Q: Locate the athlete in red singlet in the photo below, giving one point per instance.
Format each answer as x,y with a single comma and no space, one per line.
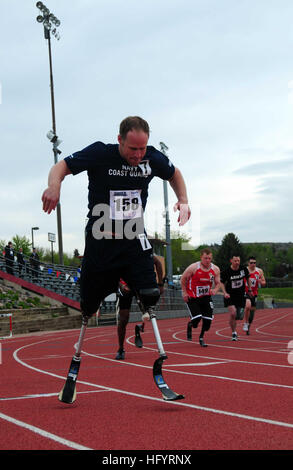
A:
199,282
257,280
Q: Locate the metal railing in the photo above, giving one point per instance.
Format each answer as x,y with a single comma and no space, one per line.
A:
64,280
59,279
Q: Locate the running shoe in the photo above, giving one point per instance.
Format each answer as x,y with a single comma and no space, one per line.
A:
137,339
245,327
202,343
189,331
120,354
234,336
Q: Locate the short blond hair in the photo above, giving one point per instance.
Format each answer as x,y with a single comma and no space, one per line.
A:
133,122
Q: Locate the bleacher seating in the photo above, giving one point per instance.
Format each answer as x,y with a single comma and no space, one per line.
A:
64,280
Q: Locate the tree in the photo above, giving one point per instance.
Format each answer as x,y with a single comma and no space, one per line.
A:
230,246
22,242
183,254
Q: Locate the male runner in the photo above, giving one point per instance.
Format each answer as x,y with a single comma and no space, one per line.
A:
257,280
125,296
233,287
116,243
199,282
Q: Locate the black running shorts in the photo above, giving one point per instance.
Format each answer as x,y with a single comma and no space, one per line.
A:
200,306
236,301
105,262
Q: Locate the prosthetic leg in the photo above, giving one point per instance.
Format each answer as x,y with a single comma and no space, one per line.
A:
68,393
148,298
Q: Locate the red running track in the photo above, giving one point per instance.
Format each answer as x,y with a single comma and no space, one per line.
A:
238,395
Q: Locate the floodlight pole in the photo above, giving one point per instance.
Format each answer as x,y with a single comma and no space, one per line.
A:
55,149
47,19
164,148
48,36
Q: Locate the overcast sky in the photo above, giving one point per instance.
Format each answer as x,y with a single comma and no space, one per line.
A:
214,79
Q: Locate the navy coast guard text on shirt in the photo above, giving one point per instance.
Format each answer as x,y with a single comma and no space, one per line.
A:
117,191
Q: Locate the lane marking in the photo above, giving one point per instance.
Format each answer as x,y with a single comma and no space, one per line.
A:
241,338
269,323
173,403
227,360
218,377
197,364
45,395
258,321
43,433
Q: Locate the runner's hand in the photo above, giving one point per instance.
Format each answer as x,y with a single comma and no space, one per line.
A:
184,212
50,198
185,297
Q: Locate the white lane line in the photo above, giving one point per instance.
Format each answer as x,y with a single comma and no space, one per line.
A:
269,323
241,338
257,329
43,433
223,361
45,395
197,364
229,360
218,377
147,397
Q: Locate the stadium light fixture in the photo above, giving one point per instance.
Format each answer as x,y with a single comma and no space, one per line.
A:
164,150
50,23
33,228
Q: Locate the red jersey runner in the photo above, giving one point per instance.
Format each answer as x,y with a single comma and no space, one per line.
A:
254,279
201,282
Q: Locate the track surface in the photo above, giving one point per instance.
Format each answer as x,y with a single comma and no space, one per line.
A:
238,395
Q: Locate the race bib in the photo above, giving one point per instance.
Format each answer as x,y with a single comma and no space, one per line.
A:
125,204
237,284
145,244
202,290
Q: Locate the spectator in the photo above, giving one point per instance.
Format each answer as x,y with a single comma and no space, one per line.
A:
9,258
20,261
35,263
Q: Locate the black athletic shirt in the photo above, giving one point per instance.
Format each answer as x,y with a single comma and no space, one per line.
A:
115,183
234,280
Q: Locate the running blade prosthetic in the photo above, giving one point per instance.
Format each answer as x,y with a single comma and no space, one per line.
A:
167,393
68,393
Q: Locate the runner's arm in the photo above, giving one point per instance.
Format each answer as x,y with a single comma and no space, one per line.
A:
223,289
159,271
184,279
217,286
51,195
178,185
262,278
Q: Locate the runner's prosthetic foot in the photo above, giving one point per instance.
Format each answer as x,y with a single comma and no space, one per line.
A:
167,393
68,393
149,297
